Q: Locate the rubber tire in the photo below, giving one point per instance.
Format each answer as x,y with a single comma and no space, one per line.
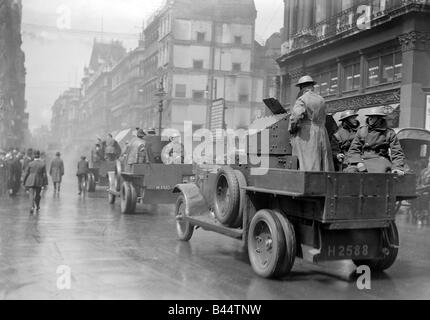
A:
276,263
385,263
227,213
186,230
242,194
290,245
128,198
111,198
91,184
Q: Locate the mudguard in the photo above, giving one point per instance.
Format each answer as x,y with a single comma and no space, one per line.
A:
196,204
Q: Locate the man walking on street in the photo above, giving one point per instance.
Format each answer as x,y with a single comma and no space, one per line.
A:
82,174
35,180
56,172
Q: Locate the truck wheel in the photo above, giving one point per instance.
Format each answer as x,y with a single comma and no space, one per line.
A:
385,263
242,194
227,197
290,245
184,229
91,185
266,244
128,198
111,198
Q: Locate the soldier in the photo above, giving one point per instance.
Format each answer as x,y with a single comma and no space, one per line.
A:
376,148
310,140
113,150
174,152
344,137
137,149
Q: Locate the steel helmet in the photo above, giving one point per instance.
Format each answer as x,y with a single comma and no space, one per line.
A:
305,80
378,111
347,114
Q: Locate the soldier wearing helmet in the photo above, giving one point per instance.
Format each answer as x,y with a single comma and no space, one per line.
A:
310,139
344,136
137,149
376,148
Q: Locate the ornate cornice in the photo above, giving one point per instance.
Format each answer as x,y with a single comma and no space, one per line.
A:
364,101
296,73
415,40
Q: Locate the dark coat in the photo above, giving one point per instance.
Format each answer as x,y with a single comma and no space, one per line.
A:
36,176
56,170
83,167
377,143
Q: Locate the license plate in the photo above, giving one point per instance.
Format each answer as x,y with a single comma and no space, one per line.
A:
348,251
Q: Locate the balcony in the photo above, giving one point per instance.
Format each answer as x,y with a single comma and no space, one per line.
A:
363,16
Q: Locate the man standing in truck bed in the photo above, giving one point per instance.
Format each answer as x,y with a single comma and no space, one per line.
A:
310,140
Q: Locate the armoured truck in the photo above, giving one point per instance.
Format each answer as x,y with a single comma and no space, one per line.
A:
286,213
148,183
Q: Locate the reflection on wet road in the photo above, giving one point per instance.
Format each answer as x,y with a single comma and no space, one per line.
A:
113,256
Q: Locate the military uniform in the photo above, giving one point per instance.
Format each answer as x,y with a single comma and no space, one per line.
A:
378,148
137,151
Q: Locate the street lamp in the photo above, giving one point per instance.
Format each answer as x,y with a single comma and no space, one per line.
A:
161,94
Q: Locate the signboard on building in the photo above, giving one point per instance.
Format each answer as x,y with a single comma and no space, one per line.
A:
428,112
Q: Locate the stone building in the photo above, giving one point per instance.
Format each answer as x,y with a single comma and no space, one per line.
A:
202,51
363,53
13,118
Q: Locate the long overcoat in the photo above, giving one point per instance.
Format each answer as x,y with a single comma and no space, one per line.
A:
56,171
310,140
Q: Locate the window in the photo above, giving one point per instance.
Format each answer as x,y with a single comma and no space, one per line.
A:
373,72
352,77
237,67
181,91
327,82
201,36
198,64
243,98
238,40
384,69
198,94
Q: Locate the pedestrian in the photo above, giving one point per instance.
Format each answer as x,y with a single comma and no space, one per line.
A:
376,148
344,137
56,172
3,173
35,180
309,137
82,174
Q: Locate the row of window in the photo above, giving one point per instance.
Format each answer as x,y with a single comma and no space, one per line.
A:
198,65
201,37
383,69
181,92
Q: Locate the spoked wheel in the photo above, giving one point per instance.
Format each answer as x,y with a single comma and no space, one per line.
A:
184,229
227,197
266,244
391,241
128,198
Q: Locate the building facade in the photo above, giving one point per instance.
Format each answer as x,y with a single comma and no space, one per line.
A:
64,119
13,118
202,51
363,53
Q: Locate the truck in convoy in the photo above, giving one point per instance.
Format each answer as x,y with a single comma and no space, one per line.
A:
286,213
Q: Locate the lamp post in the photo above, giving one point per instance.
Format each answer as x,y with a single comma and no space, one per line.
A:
160,94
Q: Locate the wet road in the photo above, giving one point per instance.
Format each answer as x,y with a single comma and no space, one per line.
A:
112,256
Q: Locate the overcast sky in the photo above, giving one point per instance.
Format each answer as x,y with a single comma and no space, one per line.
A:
55,61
